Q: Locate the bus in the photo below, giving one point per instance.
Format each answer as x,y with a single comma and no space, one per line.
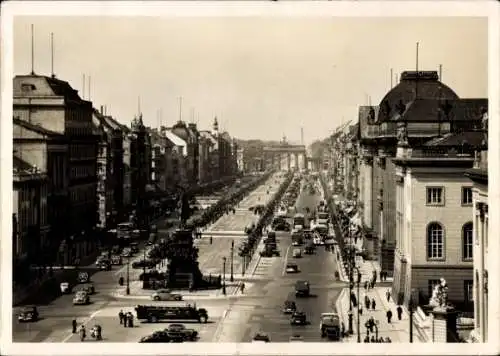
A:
299,220
124,231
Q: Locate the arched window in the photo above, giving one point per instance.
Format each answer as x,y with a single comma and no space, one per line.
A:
467,241
435,241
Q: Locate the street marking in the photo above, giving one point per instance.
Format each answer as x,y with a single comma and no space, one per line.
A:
286,259
92,316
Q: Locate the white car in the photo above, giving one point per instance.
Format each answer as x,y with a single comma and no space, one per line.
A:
81,298
318,241
292,268
165,294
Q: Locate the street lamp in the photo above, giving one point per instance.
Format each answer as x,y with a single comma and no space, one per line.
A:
224,275
128,276
232,260
412,308
358,302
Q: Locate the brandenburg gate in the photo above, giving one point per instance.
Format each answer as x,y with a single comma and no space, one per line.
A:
279,156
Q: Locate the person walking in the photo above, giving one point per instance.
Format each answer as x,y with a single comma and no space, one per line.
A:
374,304
367,302
74,326
399,310
373,340
366,285
388,295
130,320
389,316
121,316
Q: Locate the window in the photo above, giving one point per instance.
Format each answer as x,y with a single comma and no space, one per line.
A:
435,241
435,196
468,291
467,241
430,286
466,196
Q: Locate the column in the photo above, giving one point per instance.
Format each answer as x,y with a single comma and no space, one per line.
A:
304,158
288,160
296,164
368,173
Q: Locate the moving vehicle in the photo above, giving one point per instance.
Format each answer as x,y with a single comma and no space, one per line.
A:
157,336
126,252
297,253
291,268
297,238
144,264
270,251
28,313
302,289
330,326
323,218
261,337
134,246
116,260
298,318
299,220
104,265
165,294
124,231
179,332
155,313
87,288
296,338
289,307
81,298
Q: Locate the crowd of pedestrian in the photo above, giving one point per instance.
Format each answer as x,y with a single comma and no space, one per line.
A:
126,319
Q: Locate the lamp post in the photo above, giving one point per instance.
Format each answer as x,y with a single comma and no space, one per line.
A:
358,321
412,308
224,275
128,276
232,260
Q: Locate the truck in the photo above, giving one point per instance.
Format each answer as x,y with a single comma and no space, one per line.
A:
330,326
302,289
155,313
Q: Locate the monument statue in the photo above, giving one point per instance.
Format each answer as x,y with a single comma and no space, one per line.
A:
402,134
184,208
439,298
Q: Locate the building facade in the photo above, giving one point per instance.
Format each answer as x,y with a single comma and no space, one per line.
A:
433,218
54,105
480,218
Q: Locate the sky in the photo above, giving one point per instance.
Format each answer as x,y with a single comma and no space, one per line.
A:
263,77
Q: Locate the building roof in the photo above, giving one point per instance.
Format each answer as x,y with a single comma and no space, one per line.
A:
208,135
413,85
44,86
177,141
472,139
181,129
36,128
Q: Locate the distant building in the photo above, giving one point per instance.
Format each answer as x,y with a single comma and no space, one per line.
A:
240,154
179,159
54,105
190,135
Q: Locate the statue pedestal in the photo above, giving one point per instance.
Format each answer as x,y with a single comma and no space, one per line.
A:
444,324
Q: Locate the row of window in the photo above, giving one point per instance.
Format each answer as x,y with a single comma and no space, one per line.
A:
435,196
83,194
82,151
81,172
436,241
468,288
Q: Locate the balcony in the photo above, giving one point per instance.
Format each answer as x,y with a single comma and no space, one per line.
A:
438,152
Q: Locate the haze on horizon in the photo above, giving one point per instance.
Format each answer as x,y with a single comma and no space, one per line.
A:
262,77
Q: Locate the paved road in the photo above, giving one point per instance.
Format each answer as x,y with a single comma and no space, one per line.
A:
262,312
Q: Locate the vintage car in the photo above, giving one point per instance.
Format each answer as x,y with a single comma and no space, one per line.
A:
81,298
289,307
298,318
292,268
116,260
166,295
297,253
261,337
179,332
87,287
28,313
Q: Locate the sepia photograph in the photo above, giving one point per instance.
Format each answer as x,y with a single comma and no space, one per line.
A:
273,177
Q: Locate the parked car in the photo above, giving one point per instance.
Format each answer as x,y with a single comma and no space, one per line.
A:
144,264
28,313
134,246
296,338
179,332
87,287
127,252
165,294
297,253
157,336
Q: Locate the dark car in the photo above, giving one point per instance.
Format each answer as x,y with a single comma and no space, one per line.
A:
144,264
261,337
134,247
104,265
87,287
179,332
298,318
289,307
157,336
28,313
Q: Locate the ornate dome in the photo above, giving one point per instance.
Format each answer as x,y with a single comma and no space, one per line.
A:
180,129
421,85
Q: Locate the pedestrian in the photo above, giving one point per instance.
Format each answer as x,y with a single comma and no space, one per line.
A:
388,295
389,316
242,287
74,325
360,310
381,339
373,340
366,285
381,274
367,302
342,329
130,320
388,339
399,310
121,316
373,304
371,322
367,339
